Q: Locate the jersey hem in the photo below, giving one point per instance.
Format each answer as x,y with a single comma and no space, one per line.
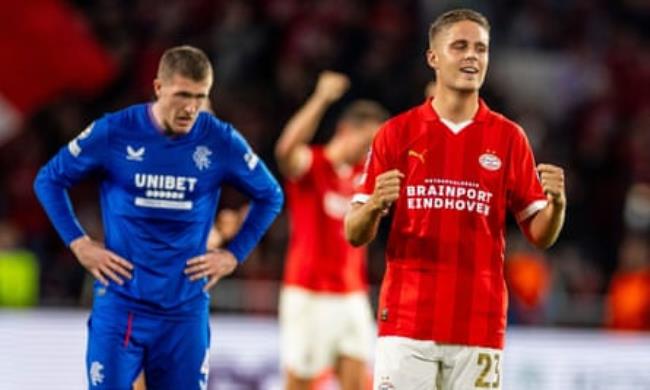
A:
495,345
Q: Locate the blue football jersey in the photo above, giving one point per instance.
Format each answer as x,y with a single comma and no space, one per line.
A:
159,196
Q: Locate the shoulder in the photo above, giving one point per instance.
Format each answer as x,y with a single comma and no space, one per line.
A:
216,129
397,128
509,128
126,119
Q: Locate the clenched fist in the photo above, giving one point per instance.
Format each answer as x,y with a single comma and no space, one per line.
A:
552,179
387,188
331,86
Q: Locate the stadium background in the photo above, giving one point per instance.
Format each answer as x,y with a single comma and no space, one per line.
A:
574,74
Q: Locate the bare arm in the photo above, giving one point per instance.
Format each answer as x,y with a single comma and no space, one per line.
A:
362,221
291,150
545,226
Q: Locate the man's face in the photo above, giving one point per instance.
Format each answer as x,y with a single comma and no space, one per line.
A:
459,55
180,99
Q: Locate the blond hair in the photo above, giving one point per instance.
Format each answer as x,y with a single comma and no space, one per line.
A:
455,16
186,61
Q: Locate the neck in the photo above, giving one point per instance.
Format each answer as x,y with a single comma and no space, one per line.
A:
455,106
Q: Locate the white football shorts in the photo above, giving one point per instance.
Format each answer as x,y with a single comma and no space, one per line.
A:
407,364
317,328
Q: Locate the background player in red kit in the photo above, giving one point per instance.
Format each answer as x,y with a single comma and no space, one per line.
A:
325,317
452,167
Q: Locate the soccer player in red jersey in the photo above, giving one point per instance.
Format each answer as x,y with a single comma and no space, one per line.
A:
325,317
449,169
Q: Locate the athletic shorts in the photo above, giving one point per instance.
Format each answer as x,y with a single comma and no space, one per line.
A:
406,364
121,342
317,328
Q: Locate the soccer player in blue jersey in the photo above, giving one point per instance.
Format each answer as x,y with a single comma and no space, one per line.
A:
162,165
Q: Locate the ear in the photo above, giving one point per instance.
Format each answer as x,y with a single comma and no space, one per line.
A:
432,59
157,86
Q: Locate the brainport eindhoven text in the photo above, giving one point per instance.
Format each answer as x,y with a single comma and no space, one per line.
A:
449,195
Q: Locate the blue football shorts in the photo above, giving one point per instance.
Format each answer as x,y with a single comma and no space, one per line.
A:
122,341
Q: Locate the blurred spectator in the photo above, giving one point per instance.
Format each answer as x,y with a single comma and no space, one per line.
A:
628,299
528,278
18,269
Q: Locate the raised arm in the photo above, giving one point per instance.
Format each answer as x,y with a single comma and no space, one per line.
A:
362,221
545,226
291,151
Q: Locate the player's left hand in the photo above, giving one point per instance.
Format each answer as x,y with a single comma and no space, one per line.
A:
214,264
552,179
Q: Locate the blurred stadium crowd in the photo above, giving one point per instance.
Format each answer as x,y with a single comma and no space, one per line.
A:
574,74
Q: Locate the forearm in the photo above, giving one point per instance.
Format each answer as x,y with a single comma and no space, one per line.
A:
301,127
54,198
546,225
362,222
261,214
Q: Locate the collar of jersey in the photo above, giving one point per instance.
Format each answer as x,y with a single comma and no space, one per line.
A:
429,114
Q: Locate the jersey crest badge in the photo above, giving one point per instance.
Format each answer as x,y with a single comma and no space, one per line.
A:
96,375
201,157
490,161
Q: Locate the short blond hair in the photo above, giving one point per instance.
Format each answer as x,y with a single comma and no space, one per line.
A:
186,61
455,16
362,110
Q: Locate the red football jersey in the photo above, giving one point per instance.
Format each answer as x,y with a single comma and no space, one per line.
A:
444,276
319,258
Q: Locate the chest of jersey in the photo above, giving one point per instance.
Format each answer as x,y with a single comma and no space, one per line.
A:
464,172
153,176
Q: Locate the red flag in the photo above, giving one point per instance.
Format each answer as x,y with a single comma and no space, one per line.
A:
47,49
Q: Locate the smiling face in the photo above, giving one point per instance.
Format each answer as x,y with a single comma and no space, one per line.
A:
459,55
179,100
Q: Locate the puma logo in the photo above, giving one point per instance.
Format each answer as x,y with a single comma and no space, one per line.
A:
419,156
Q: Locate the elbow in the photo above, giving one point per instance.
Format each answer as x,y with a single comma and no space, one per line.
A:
281,151
355,242
39,183
542,242
274,200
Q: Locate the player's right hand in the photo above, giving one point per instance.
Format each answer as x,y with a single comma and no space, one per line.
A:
102,263
387,188
331,86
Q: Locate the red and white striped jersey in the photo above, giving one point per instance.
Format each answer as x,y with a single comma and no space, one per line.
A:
444,275
319,258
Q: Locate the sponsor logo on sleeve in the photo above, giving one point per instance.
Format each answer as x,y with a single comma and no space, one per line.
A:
73,146
251,159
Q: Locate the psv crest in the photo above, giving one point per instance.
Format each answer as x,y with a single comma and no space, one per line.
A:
490,161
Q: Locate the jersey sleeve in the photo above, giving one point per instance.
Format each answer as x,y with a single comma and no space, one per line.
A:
249,174
525,194
377,162
84,154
